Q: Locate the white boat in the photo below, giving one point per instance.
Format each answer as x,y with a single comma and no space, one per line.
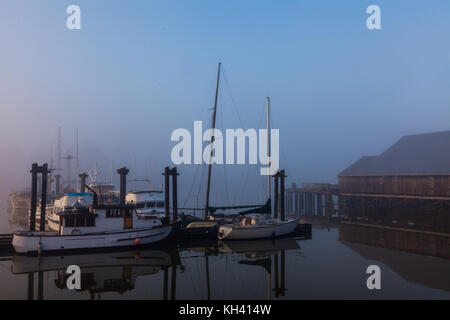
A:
257,228
95,227
148,203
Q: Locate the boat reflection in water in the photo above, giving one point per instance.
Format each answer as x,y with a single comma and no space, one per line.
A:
101,272
121,272
268,254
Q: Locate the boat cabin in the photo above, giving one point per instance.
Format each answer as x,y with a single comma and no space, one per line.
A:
102,218
147,202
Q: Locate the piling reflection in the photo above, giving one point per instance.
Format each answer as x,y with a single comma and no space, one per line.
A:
268,254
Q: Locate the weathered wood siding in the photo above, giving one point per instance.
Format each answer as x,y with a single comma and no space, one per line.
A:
411,185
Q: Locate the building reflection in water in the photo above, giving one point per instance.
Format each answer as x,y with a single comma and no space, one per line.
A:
405,252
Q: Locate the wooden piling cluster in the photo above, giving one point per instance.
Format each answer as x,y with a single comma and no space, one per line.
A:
123,172
168,173
35,170
312,200
279,195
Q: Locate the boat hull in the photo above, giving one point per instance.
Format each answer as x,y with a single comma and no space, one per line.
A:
41,242
257,232
202,233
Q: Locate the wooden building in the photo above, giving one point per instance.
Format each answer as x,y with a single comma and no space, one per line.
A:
408,185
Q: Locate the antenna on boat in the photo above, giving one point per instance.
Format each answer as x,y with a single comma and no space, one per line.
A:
208,188
95,173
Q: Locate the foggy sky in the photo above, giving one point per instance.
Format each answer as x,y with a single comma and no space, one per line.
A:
140,69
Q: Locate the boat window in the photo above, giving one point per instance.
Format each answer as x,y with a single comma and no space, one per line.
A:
113,213
140,206
160,204
80,220
69,221
150,204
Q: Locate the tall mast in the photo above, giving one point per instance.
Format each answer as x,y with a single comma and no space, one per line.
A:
59,148
269,177
68,158
78,158
212,142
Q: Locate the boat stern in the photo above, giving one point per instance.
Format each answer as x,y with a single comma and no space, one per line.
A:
225,232
25,243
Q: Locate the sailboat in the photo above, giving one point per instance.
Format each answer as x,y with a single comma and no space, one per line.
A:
260,226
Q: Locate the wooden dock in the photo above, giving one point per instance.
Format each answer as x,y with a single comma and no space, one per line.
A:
312,200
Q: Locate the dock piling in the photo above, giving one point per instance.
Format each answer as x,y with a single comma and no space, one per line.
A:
282,203
33,205
275,196
167,174
279,195
83,176
175,193
58,184
44,173
167,192
123,172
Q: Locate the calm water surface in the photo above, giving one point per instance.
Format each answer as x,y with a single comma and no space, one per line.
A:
323,267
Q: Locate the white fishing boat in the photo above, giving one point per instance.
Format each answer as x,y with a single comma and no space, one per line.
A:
257,228
148,203
95,227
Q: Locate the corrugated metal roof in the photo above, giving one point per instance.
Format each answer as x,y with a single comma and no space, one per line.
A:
416,154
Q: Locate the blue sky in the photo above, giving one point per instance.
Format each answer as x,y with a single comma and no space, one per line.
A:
140,69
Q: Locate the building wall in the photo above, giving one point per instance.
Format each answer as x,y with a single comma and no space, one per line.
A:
407,185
